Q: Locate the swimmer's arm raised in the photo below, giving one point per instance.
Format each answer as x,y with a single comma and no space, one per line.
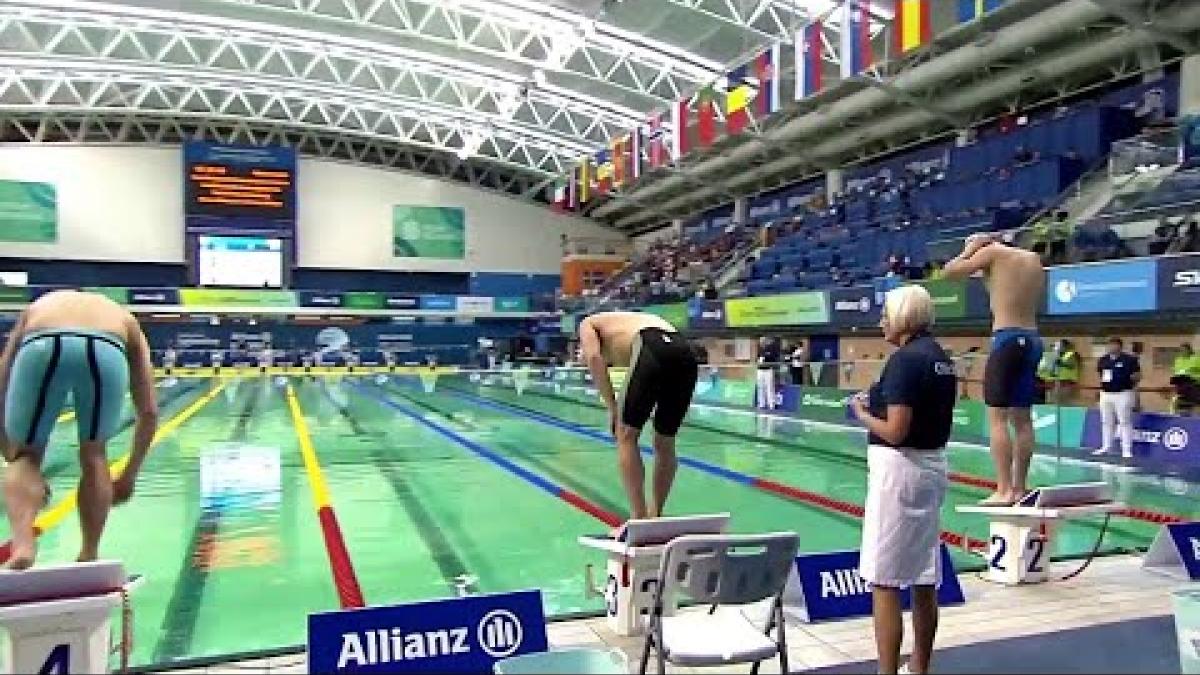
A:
976,257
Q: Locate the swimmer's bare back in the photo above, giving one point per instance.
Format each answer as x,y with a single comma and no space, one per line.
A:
75,309
617,330
1016,282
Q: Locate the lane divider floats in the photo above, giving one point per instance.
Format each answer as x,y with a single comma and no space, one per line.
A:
345,580
65,506
764,484
607,517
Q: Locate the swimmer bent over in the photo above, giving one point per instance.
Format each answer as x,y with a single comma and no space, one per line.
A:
88,346
1016,282
660,380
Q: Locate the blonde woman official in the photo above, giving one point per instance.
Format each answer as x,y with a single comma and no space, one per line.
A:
908,415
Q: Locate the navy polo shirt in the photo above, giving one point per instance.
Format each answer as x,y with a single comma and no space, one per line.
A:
1116,372
918,375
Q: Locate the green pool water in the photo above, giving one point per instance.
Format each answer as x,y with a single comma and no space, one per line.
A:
224,527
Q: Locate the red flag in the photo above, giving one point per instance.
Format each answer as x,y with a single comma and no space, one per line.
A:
706,111
654,141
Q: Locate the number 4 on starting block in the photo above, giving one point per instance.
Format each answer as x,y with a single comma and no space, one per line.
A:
1175,551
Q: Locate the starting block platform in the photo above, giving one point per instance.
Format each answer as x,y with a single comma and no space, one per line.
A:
633,562
56,619
1021,536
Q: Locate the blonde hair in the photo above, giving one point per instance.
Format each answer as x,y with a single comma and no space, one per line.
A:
908,309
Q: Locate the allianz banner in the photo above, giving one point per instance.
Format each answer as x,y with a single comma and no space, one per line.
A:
706,313
1159,441
1179,282
855,307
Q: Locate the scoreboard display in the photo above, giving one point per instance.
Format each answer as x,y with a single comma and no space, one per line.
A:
239,189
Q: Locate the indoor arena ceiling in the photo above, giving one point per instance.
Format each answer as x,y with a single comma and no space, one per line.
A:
503,94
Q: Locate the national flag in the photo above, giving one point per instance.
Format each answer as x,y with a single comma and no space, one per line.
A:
809,61
655,141
766,71
585,179
603,172
706,115
681,119
635,153
617,147
856,39
738,93
912,26
573,189
969,10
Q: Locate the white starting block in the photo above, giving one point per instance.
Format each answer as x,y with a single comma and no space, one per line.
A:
56,619
1022,535
633,566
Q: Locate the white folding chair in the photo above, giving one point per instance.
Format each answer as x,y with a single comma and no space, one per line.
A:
720,570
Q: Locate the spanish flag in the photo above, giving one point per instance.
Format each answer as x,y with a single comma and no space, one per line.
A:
912,25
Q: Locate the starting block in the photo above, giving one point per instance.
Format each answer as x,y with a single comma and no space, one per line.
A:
57,619
632,568
1021,536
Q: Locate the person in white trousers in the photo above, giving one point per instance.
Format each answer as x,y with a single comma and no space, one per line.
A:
1119,375
768,361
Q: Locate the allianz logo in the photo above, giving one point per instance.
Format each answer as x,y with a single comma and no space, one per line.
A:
499,634
843,583
863,305
1174,438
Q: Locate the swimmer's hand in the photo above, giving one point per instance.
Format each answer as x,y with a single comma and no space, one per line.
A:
123,488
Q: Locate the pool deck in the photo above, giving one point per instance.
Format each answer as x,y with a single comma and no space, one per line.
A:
1112,589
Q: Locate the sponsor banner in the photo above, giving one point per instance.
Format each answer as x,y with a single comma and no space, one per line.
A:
825,404
474,304
362,300
949,297
401,301
220,297
445,303
1179,282
117,294
1160,440
13,295
1103,288
675,313
705,313
28,212
429,232
791,309
515,304
154,296
712,388
459,635
320,298
859,306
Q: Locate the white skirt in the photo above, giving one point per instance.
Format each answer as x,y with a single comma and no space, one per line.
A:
902,523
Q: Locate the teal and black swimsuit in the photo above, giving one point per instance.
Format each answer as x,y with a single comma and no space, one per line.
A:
88,364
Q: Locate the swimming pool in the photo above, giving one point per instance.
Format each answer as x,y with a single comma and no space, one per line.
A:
268,498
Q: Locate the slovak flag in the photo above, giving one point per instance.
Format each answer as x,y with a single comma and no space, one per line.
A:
856,39
809,62
766,71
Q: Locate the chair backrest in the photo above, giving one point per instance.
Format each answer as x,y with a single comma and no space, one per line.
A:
729,569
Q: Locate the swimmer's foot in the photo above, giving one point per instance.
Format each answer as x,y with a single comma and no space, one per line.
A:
1006,498
22,557
88,556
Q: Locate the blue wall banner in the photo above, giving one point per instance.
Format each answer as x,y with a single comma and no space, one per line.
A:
1103,288
320,298
827,586
854,307
706,313
459,635
1159,441
153,296
1179,282
445,303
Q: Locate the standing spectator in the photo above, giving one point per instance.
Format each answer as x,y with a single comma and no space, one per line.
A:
768,360
908,415
1120,373
796,365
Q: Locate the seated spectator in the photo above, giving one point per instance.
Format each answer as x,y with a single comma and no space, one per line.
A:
1189,242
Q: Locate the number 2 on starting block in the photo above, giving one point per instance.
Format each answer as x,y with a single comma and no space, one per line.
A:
1017,554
